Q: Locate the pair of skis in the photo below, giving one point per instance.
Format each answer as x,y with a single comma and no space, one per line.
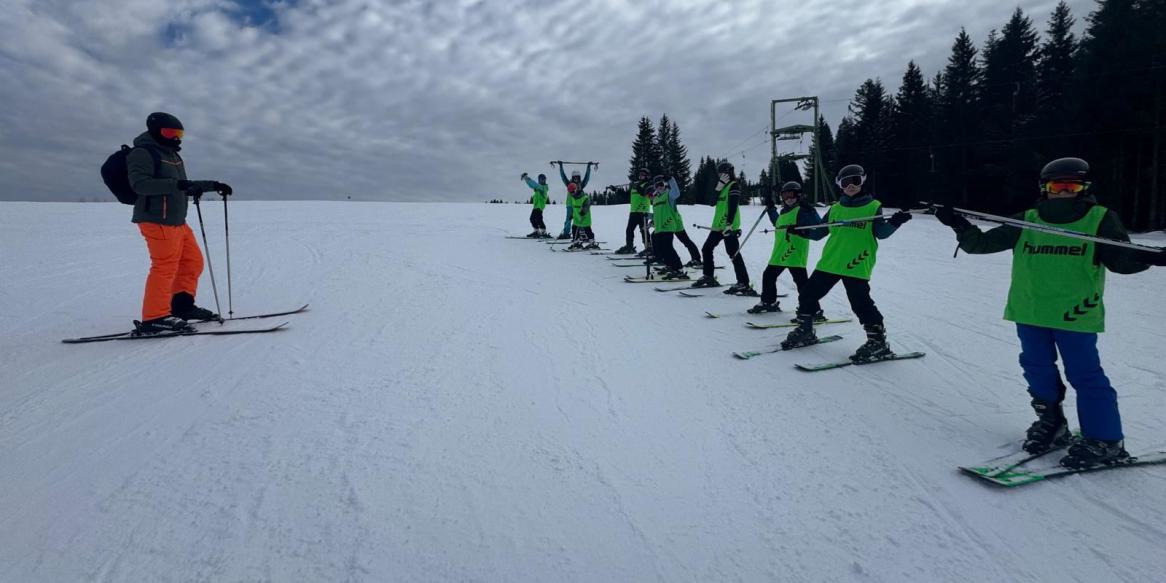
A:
132,335
1009,471
746,355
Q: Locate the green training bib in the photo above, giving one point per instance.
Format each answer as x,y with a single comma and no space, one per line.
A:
1056,283
851,249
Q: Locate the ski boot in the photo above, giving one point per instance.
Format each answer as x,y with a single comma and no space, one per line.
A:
533,234
675,275
876,347
591,245
819,317
764,308
803,335
563,236
543,234
646,252
162,325
695,264
182,306
626,250
1089,452
1049,431
577,245
706,281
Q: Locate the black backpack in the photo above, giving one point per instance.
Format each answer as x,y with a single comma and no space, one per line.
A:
116,175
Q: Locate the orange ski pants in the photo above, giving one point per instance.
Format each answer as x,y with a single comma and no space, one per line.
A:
175,265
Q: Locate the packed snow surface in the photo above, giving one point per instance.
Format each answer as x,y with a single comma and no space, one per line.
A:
458,406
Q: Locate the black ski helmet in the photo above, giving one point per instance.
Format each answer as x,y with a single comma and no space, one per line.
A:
659,179
158,120
792,186
850,171
643,173
725,167
1065,168
542,178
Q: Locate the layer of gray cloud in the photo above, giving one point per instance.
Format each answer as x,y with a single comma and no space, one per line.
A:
414,100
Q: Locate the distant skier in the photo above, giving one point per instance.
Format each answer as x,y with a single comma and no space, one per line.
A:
539,200
848,256
580,184
668,222
638,209
726,227
157,174
579,204
1056,300
791,250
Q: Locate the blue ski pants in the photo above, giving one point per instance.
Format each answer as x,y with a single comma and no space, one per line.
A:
1096,399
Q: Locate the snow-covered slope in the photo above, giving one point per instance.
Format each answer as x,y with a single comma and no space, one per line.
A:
458,406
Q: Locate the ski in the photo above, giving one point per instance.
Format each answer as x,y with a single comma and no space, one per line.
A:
524,237
756,326
672,289
751,354
298,310
132,336
842,363
1018,476
659,279
1001,465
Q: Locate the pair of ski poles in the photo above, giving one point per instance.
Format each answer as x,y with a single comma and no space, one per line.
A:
207,253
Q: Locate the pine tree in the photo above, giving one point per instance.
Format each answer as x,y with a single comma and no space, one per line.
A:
645,154
958,106
870,111
910,135
663,136
826,137
1055,69
1008,102
678,165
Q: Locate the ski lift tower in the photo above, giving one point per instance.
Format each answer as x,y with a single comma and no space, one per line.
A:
820,189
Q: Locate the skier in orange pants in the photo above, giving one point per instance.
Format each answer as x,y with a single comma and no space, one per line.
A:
157,175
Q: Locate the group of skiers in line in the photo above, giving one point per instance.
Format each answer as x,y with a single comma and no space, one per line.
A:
1055,299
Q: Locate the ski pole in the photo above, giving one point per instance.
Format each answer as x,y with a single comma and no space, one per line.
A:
1052,229
207,253
227,234
702,227
741,247
595,164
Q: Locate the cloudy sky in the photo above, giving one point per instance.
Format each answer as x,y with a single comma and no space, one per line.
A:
439,100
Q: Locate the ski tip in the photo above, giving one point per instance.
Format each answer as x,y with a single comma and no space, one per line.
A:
711,315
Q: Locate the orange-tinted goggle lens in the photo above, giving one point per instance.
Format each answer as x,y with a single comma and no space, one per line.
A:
1064,186
171,133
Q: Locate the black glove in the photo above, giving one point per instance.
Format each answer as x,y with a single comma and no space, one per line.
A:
523,177
899,218
1155,258
198,187
946,215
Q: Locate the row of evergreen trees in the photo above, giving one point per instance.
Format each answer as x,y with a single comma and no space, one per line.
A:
978,132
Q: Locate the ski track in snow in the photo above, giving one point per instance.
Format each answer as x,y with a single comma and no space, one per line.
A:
457,406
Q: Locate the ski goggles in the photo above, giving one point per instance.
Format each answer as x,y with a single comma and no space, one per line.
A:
171,133
851,181
1072,186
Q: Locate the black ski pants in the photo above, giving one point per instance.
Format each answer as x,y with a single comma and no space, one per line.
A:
663,250
732,245
769,281
536,219
857,291
693,251
636,220
584,233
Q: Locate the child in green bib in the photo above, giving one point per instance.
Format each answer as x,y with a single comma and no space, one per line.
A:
848,257
1057,302
726,227
639,209
790,249
539,200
